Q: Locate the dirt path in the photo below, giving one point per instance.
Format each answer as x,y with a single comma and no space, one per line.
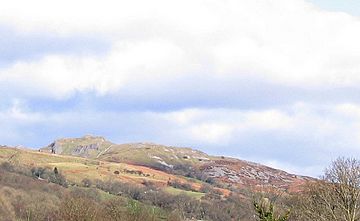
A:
104,151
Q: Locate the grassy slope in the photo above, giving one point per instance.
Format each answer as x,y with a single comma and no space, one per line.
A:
177,160
175,191
76,169
24,198
153,154
136,153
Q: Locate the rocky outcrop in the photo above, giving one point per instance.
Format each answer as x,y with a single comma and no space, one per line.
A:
55,148
82,150
243,173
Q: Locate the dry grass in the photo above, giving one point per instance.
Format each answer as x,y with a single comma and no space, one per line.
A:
174,191
75,169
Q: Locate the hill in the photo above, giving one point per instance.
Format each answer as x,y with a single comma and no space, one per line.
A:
173,181
29,176
225,172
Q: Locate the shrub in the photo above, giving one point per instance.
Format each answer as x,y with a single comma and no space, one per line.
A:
179,185
86,182
115,209
7,166
57,178
78,208
38,172
265,211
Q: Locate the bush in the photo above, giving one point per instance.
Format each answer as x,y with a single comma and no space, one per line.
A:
7,166
206,188
86,182
78,208
115,209
179,185
57,178
264,209
38,172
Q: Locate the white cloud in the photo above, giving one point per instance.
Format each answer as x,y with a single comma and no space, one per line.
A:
17,113
352,110
268,120
322,125
220,126
211,132
287,42
60,76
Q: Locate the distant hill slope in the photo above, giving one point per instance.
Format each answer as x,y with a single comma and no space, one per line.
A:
229,172
149,154
30,189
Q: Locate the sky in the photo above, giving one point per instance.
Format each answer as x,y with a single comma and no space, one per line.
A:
271,81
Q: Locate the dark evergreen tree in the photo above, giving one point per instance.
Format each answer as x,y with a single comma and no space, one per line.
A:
265,211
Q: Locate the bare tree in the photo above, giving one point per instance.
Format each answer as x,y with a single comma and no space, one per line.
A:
336,196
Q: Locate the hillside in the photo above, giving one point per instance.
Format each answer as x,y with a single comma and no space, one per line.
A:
164,193
226,172
76,169
30,190
172,181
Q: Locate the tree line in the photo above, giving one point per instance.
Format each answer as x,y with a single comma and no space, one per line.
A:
333,197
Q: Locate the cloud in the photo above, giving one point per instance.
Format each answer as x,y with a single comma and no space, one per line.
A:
17,113
349,109
60,76
289,43
220,126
